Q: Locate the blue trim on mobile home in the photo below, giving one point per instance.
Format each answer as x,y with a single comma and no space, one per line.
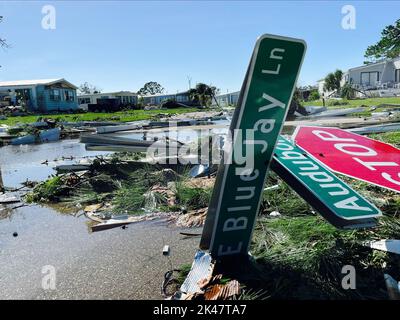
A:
42,95
50,98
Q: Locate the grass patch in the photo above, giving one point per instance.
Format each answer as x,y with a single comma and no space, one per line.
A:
192,197
183,273
386,200
392,138
84,197
358,102
130,198
284,200
49,190
102,183
304,256
120,116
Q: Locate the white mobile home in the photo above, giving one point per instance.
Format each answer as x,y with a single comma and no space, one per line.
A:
379,75
157,99
227,99
380,79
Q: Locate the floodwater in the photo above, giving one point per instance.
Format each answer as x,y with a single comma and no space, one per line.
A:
36,240
113,264
183,134
18,163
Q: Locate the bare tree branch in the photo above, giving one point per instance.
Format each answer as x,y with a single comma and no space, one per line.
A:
3,42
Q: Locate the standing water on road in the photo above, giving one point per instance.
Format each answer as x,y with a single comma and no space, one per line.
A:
34,240
36,162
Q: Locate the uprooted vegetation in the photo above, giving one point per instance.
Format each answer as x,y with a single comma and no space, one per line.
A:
303,258
299,255
132,187
126,186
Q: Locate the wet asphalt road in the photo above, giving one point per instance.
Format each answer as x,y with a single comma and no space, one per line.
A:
112,264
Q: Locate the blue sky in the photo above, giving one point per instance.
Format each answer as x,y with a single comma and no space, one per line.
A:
122,45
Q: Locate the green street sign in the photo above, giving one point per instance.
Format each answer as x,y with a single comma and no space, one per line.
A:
263,104
330,196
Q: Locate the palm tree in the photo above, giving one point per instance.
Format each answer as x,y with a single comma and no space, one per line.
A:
203,94
333,80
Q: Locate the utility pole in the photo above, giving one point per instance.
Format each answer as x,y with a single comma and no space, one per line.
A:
190,82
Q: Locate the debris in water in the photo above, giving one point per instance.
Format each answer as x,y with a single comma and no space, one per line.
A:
93,208
5,199
165,250
120,221
29,183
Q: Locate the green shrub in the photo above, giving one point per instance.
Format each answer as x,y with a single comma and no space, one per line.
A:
192,198
314,95
337,103
347,92
49,190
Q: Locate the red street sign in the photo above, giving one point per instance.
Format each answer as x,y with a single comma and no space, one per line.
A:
353,155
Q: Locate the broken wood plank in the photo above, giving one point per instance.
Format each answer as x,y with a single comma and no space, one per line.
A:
5,199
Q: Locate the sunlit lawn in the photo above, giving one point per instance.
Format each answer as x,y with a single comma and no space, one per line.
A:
120,116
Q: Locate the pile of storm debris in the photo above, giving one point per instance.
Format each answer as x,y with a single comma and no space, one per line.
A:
296,254
52,129
122,189
43,130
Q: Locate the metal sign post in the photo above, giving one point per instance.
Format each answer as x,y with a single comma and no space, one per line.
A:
263,104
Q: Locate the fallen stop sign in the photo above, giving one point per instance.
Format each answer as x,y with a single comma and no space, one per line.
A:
353,155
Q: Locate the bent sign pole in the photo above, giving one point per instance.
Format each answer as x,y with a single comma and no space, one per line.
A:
326,193
351,154
263,104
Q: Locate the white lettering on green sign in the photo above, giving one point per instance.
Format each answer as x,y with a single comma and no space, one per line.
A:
344,201
268,89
